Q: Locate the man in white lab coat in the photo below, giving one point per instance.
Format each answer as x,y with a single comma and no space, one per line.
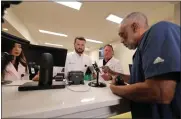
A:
109,62
77,60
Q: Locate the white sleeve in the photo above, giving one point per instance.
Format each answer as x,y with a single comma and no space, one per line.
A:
118,67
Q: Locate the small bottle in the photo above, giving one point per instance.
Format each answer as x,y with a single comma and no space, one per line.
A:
88,75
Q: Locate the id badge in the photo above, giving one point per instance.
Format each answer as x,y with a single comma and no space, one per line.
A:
32,70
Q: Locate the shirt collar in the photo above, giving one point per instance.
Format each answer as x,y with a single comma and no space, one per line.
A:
140,43
108,60
78,54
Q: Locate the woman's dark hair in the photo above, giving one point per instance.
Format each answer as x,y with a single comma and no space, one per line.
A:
20,59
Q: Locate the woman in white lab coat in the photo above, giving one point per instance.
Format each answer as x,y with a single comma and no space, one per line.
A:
17,68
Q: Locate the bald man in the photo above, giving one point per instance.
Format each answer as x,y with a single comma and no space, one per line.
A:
155,87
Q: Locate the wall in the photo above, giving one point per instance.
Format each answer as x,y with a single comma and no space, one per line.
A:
177,13
124,55
19,26
94,55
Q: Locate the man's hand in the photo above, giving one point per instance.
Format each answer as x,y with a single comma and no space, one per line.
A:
152,90
36,77
106,76
113,84
106,69
114,80
112,87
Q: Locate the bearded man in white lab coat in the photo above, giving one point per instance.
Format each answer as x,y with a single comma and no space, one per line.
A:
77,60
109,62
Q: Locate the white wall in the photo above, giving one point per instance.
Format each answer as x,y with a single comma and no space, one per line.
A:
120,52
94,55
124,55
177,13
19,26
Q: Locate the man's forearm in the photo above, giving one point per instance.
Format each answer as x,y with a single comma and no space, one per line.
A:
114,73
138,92
123,76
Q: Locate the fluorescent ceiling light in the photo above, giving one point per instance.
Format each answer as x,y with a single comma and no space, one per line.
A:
52,33
5,29
114,18
75,5
54,44
94,41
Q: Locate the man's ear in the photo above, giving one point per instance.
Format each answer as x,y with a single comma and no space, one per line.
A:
135,26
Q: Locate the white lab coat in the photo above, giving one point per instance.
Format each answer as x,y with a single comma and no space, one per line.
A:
114,64
74,62
12,74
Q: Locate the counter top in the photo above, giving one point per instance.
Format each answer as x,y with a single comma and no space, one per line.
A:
54,102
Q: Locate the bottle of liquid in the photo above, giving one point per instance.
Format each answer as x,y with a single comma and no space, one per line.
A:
88,75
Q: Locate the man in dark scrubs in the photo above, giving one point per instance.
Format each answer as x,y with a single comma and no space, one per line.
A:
155,88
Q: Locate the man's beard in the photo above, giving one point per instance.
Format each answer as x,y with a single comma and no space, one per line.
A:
132,45
78,51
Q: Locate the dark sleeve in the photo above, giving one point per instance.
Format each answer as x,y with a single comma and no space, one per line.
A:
171,76
161,51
